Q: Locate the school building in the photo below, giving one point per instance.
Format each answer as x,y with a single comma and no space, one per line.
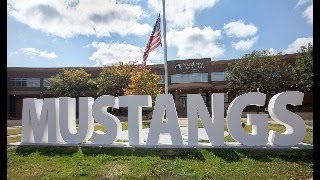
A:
192,76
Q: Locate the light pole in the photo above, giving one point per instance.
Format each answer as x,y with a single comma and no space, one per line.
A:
257,107
164,29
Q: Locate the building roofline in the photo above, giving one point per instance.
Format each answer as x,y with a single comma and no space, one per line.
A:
284,56
48,68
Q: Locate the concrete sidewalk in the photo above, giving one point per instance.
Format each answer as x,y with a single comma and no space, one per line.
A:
166,138
183,122
12,136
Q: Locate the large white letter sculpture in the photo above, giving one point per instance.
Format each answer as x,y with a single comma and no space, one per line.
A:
135,104
164,103
53,120
112,123
68,119
259,122
295,126
214,126
40,121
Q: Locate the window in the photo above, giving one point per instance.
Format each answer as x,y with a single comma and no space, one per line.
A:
162,79
24,82
183,100
219,76
188,78
12,83
226,97
45,82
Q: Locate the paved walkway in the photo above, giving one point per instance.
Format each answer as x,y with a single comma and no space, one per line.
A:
12,136
310,127
166,138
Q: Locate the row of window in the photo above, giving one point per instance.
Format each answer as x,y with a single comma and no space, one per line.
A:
27,82
186,78
196,77
176,78
183,99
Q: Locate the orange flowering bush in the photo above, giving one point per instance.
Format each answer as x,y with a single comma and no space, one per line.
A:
143,82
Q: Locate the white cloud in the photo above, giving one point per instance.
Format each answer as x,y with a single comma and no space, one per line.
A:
33,52
244,45
239,29
308,13
69,18
195,42
113,53
295,46
302,2
272,51
127,1
13,53
181,13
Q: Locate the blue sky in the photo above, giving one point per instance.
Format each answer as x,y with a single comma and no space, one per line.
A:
102,32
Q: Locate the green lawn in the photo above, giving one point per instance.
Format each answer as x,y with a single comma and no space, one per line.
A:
133,163
129,163
13,139
13,131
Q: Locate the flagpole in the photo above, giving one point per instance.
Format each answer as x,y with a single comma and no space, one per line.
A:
165,47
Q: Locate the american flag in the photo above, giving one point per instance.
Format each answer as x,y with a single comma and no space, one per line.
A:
154,41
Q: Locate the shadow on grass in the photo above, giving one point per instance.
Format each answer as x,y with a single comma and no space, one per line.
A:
300,156
47,151
193,154
228,155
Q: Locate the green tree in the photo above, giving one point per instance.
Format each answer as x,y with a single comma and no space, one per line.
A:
260,69
143,82
127,79
71,83
304,68
114,79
